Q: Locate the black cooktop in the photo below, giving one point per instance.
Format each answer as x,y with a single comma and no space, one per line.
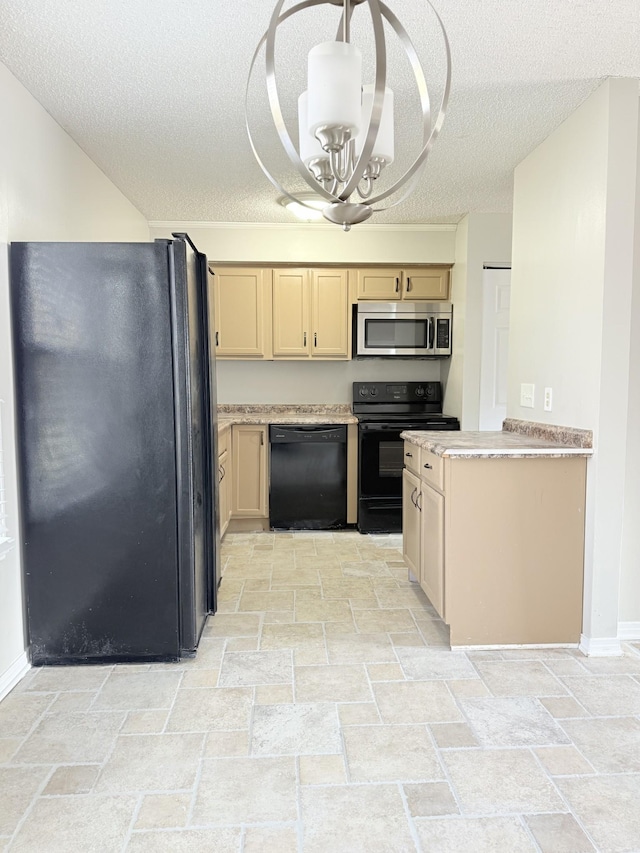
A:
397,395
401,402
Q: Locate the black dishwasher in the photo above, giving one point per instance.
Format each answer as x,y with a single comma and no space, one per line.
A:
308,483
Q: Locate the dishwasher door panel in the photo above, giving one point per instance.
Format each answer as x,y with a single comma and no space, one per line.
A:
308,482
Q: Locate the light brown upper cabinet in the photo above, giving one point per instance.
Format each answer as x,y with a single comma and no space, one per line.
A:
425,284
382,284
394,285
310,314
291,313
242,312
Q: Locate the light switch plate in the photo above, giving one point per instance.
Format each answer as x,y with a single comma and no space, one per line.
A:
548,399
527,394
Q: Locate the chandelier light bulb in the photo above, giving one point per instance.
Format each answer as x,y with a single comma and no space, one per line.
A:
309,147
383,148
335,88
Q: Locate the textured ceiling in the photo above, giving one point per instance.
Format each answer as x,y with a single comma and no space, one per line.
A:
153,91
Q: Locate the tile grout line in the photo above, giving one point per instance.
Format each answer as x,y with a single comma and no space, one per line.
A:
30,807
413,829
134,818
529,832
564,799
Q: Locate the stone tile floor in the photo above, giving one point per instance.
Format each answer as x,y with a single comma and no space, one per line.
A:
324,712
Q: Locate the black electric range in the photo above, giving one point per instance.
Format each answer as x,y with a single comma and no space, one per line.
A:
384,410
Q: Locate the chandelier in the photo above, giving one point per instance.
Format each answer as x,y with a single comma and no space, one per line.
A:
345,128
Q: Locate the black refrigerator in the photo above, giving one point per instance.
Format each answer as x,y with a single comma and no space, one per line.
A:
116,426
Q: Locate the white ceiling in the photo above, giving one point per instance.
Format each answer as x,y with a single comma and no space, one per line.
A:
153,91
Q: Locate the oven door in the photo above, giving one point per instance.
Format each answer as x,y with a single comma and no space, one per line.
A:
381,458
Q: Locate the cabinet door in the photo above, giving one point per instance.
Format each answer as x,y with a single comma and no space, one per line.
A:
242,313
411,522
291,314
382,284
432,551
430,284
223,491
330,314
249,471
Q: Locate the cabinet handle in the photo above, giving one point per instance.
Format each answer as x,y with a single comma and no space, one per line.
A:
304,339
418,501
220,474
217,339
315,339
426,465
412,494
409,454
397,285
261,439
408,284
223,472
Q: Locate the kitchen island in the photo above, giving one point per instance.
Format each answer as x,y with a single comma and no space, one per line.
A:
493,528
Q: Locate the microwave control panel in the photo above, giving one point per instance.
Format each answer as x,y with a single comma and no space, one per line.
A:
443,337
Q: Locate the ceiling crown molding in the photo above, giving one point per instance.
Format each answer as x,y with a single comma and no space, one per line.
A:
182,225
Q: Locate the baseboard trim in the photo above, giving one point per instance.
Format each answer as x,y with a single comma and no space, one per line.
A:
497,647
629,630
12,676
248,525
600,647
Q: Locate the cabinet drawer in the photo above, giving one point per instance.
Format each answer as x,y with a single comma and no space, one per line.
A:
412,458
432,469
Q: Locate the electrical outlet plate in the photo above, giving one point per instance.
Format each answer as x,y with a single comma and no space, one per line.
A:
548,399
527,394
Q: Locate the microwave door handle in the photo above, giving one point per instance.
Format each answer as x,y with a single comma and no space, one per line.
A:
431,332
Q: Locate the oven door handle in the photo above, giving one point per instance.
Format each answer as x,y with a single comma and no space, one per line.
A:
377,427
386,427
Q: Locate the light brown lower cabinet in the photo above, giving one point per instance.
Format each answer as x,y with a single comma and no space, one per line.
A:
411,536
224,479
431,509
249,449
224,487
499,545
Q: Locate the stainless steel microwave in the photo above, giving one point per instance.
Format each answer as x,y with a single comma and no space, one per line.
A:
403,329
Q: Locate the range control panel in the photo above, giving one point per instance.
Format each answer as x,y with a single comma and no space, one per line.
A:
397,392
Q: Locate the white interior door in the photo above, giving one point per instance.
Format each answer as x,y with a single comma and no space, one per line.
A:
496,284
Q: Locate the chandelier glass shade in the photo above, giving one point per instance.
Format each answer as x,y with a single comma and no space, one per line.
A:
346,127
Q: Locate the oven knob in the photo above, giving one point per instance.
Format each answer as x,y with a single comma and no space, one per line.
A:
429,390
419,391
373,391
364,392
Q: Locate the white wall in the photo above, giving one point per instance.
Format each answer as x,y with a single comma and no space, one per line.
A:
630,571
482,238
315,382
573,233
49,190
312,382
318,243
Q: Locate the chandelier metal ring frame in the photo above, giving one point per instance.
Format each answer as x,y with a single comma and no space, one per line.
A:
377,10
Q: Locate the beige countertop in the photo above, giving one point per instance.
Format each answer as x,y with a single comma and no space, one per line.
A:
303,414
491,444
